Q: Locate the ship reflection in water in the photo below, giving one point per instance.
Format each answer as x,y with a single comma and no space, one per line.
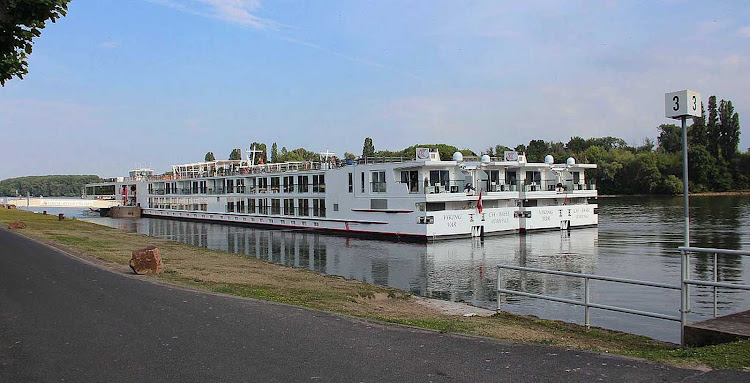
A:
457,270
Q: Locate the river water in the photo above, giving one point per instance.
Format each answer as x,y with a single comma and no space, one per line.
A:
636,238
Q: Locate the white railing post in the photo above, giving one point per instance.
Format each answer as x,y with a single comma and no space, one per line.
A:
587,320
498,289
716,279
683,295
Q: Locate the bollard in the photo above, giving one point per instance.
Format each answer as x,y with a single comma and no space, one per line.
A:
60,217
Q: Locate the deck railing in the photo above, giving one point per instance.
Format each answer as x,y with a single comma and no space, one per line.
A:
459,186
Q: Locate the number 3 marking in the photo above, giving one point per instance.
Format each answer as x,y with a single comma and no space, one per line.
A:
676,100
695,103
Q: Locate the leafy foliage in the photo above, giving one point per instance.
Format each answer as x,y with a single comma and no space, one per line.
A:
368,149
20,23
48,186
446,151
263,152
299,154
236,154
670,138
274,153
210,157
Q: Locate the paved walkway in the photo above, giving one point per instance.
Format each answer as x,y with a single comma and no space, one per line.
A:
62,319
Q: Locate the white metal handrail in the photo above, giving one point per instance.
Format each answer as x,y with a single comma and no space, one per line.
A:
586,302
686,281
683,287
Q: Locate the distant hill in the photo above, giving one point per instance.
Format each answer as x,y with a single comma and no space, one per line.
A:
48,186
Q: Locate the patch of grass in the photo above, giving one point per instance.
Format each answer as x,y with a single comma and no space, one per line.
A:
734,356
454,325
622,339
80,242
297,297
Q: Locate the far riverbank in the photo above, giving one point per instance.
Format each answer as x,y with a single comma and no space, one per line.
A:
703,194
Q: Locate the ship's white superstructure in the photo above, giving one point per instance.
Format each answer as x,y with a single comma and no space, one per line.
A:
421,198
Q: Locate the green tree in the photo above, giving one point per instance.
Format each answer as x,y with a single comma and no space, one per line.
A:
593,154
284,154
537,150
210,157
697,131
236,154
645,174
741,170
729,130
296,155
558,151
576,144
48,186
608,143
20,22
274,153
648,146
701,167
261,148
368,149
670,185
670,138
501,149
614,172
446,151
712,128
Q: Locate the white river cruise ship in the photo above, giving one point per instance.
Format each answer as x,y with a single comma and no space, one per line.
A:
422,198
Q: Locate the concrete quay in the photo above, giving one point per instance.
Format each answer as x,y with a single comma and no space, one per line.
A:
724,329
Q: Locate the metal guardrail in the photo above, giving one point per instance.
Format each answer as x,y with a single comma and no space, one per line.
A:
586,302
685,251
683,287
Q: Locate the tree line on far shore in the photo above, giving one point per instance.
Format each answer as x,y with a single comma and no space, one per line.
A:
47,186
714,159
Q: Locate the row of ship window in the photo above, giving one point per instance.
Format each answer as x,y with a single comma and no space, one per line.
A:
284,184
278,206
273,206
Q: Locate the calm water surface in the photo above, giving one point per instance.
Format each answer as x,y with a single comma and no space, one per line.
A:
636,238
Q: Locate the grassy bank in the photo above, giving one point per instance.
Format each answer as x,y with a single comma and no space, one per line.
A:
240,275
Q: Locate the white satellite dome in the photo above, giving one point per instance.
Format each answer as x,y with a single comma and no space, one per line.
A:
571,161
458,157
485,159
549,159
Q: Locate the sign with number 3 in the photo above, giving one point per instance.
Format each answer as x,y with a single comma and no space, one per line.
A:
685,103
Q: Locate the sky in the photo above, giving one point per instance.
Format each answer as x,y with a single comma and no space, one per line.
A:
120,84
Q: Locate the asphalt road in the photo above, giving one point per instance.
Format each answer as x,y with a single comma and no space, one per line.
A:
64,320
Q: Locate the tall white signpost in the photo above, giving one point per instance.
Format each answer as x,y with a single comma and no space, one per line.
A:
681,105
